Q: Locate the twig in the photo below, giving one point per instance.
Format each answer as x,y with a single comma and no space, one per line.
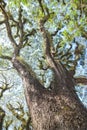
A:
6,57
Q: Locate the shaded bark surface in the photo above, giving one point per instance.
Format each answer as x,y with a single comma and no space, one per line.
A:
55,109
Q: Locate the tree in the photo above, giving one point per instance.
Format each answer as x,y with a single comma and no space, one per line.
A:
57,107
18,112
26,123
4,86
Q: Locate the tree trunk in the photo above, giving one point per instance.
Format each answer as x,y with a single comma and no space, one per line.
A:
55,109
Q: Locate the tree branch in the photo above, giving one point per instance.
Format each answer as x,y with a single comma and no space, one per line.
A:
30,33
8,27
21,27
5,57
20,116
40,3
57,67
4,85
2,115
53,34
7,123
26,71
81,80
62,1
2,22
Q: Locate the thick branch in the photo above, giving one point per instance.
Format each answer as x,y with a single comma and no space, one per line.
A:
25,71
57,67
81,80
8,27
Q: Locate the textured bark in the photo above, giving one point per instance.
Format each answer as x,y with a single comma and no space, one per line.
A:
56,109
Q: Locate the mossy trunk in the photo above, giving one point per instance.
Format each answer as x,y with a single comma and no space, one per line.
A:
55,109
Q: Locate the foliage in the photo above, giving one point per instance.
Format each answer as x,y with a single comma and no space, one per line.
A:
67,23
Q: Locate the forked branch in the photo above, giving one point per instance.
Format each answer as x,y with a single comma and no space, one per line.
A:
57,67
4,86
8,27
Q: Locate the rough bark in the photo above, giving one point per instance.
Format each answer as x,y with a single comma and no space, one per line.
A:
56,109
